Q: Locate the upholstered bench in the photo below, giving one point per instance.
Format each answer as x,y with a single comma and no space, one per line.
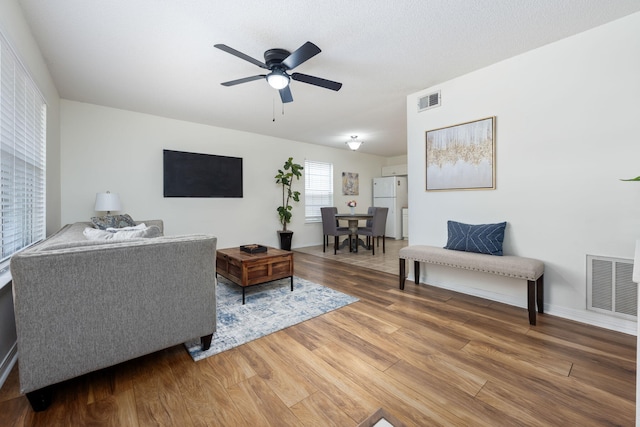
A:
531,270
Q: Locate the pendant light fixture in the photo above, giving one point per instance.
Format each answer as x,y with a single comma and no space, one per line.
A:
354,144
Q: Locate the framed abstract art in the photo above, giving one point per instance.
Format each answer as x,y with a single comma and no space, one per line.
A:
350,184
462,157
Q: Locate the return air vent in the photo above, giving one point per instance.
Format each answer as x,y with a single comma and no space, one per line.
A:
429,101
610,288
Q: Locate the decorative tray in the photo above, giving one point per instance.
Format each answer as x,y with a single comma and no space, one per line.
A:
253,249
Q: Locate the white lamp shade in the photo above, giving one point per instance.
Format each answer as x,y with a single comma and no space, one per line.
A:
107,202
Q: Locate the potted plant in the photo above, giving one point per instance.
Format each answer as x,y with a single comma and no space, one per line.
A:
285,178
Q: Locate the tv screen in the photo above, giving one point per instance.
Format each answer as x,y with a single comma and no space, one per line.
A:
201,175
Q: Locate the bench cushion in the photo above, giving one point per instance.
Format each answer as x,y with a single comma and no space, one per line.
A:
507,265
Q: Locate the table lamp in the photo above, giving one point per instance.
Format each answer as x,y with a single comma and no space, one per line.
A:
107,202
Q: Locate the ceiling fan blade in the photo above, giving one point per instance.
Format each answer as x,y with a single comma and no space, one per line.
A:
285,95
317,81
240,55
244,80
302,54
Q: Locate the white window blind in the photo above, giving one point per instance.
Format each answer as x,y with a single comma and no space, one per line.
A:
22,156
318,189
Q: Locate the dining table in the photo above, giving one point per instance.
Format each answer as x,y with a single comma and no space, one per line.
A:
353,219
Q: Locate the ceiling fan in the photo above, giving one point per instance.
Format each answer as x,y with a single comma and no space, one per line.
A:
279,62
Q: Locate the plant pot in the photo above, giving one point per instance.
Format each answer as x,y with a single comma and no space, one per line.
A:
285,239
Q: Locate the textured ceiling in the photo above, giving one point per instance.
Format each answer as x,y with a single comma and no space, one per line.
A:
157,56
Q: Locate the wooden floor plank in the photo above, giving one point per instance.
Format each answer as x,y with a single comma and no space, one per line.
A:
286,383
319,410
442,393
226,412
158,397
354,400
406,403
267,403
230,367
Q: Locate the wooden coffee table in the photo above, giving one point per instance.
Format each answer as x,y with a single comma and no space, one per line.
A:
245,269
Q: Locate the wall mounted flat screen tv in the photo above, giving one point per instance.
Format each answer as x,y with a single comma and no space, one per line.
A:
201,175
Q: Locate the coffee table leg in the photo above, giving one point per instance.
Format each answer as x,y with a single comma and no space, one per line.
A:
291,283
243,295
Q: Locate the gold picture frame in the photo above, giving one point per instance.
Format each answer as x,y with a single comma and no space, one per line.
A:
462,156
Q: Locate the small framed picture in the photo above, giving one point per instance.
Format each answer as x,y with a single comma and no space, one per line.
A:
350,184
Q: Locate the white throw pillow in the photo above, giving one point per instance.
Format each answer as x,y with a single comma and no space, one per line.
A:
96,234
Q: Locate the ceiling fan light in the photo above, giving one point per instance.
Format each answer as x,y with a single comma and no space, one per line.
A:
278,79
354,144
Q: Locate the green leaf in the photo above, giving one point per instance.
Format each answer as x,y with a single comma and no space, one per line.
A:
637,178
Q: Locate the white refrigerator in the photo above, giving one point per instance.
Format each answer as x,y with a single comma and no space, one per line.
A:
391,192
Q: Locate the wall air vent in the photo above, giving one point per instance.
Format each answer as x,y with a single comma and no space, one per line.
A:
610,289
429,101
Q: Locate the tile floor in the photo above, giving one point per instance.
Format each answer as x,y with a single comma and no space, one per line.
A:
386,262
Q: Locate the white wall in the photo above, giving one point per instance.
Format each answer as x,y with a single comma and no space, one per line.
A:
397,160
121,151
567,131
15,29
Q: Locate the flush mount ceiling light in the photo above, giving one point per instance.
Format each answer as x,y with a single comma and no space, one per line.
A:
278,78
354,144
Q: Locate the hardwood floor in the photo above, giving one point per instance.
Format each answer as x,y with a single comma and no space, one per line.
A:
386,262
427,356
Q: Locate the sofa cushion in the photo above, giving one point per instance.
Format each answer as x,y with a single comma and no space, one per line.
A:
482,238
113,221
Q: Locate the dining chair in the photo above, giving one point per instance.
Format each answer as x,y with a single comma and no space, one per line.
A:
377,229
330,228
370,211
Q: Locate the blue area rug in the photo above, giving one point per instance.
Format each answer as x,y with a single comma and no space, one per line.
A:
268,308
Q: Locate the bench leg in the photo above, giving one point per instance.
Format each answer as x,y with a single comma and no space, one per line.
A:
531,301
403,273
540,293
416,272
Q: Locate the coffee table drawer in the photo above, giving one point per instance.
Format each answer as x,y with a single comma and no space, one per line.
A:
269,269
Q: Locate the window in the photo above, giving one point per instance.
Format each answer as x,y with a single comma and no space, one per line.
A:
318,189
22,156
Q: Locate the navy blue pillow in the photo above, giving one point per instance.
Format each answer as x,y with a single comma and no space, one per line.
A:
483,238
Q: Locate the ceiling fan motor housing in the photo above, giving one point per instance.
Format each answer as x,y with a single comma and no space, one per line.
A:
274,57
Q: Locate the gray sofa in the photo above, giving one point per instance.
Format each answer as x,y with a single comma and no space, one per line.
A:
83,305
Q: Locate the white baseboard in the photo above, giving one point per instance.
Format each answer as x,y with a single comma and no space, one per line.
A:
612,323
8,363
583,316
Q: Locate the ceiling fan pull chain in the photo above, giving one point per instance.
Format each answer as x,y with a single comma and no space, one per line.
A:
273,108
